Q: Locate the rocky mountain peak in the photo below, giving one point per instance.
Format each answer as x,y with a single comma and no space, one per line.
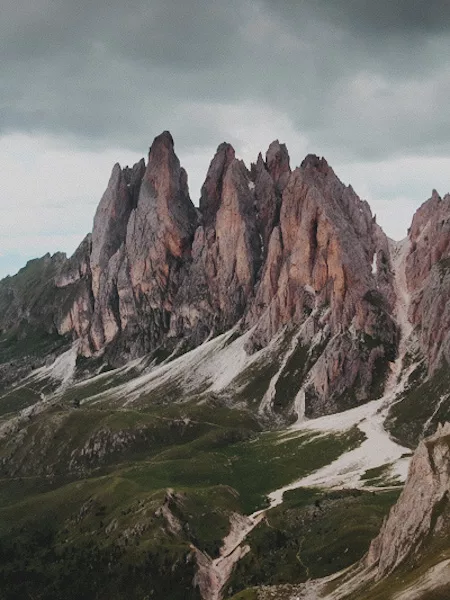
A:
226,251
164,138
260,163
428,277
112,215
278,163
312,161
320,313
212,188
267,250
165,189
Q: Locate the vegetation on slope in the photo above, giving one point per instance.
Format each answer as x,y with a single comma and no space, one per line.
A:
119,497
311,535
424,404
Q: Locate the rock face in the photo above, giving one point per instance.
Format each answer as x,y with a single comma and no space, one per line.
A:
226,252
42,298
319,264
141,244
422,510
428,277
274,251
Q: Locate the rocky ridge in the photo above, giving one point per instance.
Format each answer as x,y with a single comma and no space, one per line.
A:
427,269
280,285
412,541
422,509
269,249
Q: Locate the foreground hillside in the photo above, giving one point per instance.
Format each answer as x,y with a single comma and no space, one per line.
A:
410,558
201,402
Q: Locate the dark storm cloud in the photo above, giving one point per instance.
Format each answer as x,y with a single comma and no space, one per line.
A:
166,32
83,84
359,78
114,70
381,17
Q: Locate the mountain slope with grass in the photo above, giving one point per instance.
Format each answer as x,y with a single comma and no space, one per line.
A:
204,402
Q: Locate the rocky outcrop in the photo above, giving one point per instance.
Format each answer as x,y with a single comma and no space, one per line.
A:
430,239
141,244
78,266
42,299
74,283
111,218
226,253
278,164
319,263
422,511
428,277
116,292
268,249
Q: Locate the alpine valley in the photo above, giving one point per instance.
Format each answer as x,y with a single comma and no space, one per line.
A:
249,399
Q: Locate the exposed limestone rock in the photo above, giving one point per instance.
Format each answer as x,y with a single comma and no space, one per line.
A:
212,574
74,315
77,266
111,218
278,164
319,259
225,253
142,236
267,249
430,238
428,277
213,186
409,534
422,509
270,179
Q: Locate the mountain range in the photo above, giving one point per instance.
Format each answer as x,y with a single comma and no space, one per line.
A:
223,401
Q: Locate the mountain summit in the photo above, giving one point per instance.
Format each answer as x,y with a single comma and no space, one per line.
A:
195,386
268,250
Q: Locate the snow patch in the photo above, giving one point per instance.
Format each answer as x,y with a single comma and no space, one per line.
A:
374,264
378,449
212,366
399,253
228,363
63,368
266,402
442,399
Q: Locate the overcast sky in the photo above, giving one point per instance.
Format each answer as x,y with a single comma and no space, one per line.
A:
86,84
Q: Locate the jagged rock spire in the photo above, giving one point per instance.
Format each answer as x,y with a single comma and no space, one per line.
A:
212,188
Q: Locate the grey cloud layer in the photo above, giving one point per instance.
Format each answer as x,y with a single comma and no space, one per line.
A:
398,17
359,78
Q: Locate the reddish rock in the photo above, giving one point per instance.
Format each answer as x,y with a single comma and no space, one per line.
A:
422,510
225,254
428,278
268,250
278,164
320,259
430,239
212,188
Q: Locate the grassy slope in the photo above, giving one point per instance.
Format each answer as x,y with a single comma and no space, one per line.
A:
313,534
410,574
359,513
92,481
418,404
75,500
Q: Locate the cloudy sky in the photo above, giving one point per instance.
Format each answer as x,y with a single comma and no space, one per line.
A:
86,84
